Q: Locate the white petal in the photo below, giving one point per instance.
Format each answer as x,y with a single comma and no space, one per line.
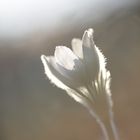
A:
102,62
52,74
67,77
49,71
90,55
70,66
88,39
76,76
77,47
65,57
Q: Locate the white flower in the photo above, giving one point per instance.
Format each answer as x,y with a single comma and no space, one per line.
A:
80,72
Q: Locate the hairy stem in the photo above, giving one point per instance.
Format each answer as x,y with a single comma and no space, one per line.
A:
112,123
101,124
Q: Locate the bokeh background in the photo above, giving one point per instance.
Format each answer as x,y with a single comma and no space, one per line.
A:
33,109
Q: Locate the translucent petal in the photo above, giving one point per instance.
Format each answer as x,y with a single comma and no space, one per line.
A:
76,76
65,57
74,71
88,39
51,72
90,55
77,47
57,79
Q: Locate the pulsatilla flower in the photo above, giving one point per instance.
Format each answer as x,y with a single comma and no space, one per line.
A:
80,71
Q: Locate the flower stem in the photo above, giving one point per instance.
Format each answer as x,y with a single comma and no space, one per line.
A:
111,119
113,126
101,124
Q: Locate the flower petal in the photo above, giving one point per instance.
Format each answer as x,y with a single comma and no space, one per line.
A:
76,76
90,55
70,66
58,79
53,72
65,57
50,71
77,47
88,39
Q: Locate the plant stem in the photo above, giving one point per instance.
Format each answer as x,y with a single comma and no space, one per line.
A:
101,124
112,123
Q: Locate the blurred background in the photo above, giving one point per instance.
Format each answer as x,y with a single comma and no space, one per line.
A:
33,109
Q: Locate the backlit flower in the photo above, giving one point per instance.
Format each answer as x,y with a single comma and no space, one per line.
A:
80,70
82,73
